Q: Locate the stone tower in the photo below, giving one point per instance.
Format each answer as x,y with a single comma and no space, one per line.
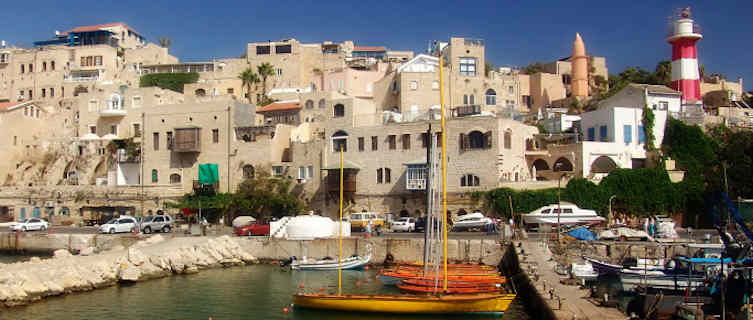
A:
580,68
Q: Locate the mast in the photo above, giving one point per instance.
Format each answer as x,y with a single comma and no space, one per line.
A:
340,232
427,185
444,175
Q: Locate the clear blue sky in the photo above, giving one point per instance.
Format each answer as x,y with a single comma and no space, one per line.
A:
627,33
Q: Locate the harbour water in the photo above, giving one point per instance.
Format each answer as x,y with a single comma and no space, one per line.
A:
248,292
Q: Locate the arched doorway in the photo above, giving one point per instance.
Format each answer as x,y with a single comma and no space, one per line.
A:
248,172
540,165
174,178
562,164
603,164
340,140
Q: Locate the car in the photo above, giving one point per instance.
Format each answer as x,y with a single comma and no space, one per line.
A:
157,223
120,224
404,224
31,224
258,227
359,220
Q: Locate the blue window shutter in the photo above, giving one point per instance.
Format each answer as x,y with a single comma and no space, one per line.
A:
603,133
628,133
641,134
591,134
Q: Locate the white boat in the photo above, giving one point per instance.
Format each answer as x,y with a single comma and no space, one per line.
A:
571,214
583,272
307,227
472,220
353,262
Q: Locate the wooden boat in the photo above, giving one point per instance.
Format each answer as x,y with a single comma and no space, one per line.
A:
454,284
450,289
461,303
353,262
401,264
394,278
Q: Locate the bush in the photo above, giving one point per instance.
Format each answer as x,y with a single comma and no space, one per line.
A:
171,81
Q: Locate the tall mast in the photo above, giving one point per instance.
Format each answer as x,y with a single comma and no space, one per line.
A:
444,175
340,232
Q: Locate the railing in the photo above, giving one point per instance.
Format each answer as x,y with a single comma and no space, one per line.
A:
467,110
202,187
124,157
474,42
88,78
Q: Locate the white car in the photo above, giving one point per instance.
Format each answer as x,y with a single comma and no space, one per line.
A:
31,224
404,224
120,224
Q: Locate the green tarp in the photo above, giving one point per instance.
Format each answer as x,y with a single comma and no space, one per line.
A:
208,173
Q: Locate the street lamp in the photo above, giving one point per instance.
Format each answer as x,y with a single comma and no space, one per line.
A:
559,205
610,205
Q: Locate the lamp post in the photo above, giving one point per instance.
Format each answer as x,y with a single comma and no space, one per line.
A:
559,205
610,206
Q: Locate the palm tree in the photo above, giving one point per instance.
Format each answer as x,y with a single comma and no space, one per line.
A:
164,41
265,70
249,78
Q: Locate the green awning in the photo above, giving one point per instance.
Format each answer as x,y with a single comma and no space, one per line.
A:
208,173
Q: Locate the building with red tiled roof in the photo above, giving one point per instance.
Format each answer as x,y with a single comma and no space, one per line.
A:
286,112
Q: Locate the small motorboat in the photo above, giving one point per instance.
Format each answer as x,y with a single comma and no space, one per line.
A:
571,214
353,262
583,272
472,220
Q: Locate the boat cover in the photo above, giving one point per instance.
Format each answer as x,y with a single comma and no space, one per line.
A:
582,234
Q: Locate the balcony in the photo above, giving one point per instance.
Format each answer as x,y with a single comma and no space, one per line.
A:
187,139
83,76
415,177
349,183
112,112
124,157
467,110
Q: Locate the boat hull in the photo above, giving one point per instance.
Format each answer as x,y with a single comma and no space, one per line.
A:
346,264
480,303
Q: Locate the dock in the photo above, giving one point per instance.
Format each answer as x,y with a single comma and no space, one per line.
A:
565,301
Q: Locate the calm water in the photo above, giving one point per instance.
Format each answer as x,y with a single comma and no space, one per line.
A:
249,292
9,257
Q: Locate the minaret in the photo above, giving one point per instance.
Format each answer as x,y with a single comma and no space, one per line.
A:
683,37
580,68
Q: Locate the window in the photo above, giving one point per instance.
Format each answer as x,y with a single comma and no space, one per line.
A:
22,68
309,172
284,49
603,133
262,49
322,104
114,129
93,129
169,140
384,175
391,141
15,140
174,178
424,140
52,65
340,141
435,85
468,66
591,134
508,139
37,113
248,171
395,87
510,90
52,92
406,141
491,97
475,140
471,100
309,104
155,176
44,92
339,110
93,105
31,68
277,171
136,102
31,95
279,72
628,133
641,134
360,143
155,141
469,180
230,90
200,92
215,135
414,85
663,105
44,66
301,173
98,60
374,143
136,129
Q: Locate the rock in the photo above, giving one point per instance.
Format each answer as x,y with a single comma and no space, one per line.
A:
61,253
136,257
86,251
35,260
129,273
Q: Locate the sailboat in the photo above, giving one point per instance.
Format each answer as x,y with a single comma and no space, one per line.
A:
437,300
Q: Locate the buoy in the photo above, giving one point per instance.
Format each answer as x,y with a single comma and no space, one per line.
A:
135,231
366,268
300,285
285,310
321,289
358,283
50,231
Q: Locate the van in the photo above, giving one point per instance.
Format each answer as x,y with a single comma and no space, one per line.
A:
359,220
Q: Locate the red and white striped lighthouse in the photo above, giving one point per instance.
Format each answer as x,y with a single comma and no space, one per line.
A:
685,75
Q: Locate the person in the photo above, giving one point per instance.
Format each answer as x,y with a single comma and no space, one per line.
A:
652,227
646,227
204,225
368,229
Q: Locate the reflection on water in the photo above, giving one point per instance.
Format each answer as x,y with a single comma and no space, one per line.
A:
251,292
11,257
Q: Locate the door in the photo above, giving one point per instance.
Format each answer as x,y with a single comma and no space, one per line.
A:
123,225
158,223
36,213
23,214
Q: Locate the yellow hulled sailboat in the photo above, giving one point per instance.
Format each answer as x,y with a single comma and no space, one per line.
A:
437,302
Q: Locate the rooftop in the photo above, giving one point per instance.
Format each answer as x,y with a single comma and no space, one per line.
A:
5,106
279,106
361,48
100,27
652,88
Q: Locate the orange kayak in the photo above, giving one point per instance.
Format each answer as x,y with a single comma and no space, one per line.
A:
450,290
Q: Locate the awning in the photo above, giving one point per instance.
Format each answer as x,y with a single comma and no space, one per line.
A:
347,164
208,173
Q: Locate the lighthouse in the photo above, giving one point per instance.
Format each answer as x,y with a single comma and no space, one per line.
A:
683,36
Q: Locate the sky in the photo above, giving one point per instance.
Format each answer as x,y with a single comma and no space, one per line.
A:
516,33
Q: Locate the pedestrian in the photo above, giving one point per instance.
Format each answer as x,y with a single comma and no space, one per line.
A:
652,227
646,228
368,229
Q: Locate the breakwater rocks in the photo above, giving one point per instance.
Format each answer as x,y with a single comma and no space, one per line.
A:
155,257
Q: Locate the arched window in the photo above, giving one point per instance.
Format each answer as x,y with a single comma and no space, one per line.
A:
340,140
339,110
174,178
64,211
248,172
155,176
476,139
491,97
322,104
200,92
603,164
540,165
44,66
562,164
469,180
115,101
309,104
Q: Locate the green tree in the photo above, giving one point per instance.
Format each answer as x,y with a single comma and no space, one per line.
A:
648,128
249,78
265,70
663,73
533,68
172,81
164,41
267,196
488,68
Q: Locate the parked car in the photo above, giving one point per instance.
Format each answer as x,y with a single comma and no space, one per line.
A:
31,224
359,220
258,228
421,224
157,223
120,224
404,224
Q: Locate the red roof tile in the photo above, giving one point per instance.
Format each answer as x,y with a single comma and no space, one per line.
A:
357,48
279,107
100,26
4,106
